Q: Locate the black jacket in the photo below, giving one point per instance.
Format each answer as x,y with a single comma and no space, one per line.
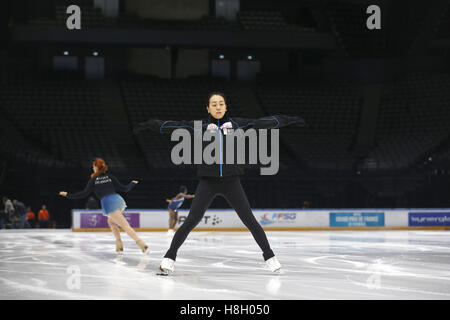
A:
221,169
102,185
20,209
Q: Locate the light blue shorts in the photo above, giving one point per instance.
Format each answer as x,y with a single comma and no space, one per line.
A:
111,203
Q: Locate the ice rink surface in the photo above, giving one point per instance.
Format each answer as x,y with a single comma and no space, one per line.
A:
60,264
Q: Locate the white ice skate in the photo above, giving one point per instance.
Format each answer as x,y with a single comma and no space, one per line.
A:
273,264
167,266
170,232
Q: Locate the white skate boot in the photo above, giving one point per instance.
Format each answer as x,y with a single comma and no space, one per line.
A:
170,232
167,266
273,264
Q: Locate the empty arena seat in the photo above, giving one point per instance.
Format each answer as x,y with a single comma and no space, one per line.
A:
257,20
332,114
443,30
65,117
413,119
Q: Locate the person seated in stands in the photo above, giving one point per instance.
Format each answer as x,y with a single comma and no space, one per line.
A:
306,204
91,203
31,218
20,214
9,212
2,217
43,217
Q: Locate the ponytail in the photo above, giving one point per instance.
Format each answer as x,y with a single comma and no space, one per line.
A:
101,166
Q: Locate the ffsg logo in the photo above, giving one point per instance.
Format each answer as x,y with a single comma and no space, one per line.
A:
283,217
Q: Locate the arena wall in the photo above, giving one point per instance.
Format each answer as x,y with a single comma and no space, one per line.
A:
277,219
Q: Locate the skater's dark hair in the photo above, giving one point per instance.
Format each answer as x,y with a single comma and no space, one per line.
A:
183,189
216,93
100,164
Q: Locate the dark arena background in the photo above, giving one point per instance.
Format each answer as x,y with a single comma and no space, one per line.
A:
371,79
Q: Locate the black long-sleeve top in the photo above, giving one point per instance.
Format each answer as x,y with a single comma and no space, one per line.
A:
221,169
102,185
20,209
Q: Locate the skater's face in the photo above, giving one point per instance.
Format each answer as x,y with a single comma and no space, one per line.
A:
217,107
94,168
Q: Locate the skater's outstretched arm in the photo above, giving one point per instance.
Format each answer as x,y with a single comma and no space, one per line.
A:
166,127
122,187
174,198
81,194
187,196
269,122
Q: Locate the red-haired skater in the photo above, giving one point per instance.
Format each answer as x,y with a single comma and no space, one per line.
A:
105,186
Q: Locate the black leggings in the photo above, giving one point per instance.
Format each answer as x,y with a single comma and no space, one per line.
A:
231,189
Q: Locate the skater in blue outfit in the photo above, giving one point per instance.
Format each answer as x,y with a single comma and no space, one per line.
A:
174,204
105,185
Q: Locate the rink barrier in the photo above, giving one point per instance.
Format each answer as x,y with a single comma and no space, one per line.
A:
277,219
267,229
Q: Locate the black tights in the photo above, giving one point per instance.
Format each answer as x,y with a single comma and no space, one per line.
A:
231,189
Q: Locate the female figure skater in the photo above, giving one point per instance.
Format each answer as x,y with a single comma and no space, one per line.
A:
223,179
104,186
174,204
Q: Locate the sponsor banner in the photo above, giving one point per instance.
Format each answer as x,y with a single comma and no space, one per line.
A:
229,219
356,219
98,220
429,219
277,218
209,219
212,219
